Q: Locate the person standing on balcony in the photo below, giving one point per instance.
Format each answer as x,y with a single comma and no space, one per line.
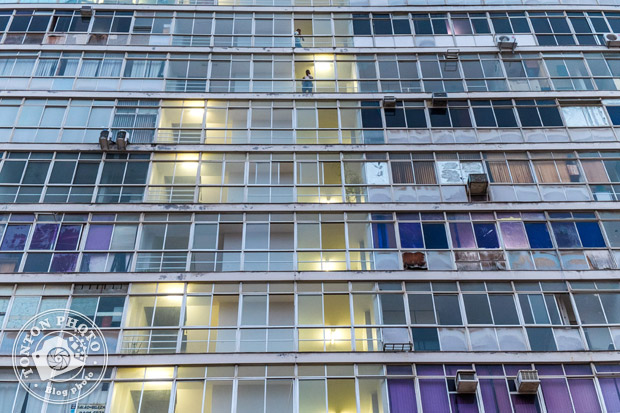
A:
306,83
298,38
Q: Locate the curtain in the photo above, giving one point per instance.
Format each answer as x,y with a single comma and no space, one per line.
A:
110,68
546,172
584,116
498,171
23,67
402,396
6,65
584,395
610,387
595,171
402,173
521,172
424,173
89,68
46,67
556,395
495,397
434,395
68,67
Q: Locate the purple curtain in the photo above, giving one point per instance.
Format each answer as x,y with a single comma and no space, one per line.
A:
584,395
44,236
68,237
434,395
610,387
525,403
99,237
15,237
463,403
495,397
402,396
556,395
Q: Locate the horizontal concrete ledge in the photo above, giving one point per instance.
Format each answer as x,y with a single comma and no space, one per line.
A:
302,50
264,208
271,96
301,9
310,276
151,360
335,148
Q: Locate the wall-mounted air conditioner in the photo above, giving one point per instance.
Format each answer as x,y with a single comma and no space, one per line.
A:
505,42
466,381
612,40
527,381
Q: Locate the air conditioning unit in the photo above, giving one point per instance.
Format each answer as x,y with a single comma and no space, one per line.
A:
86,11
440,99
389,101
122,140
414,261
612,40
477,184
466,381
505,42
396,339
527,381
104,140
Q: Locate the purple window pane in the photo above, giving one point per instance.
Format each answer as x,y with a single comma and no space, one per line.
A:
451,369
610,387
513,369
577,369
398,370
556,395
462,235
525,403
64,262
608,368
565,234
429,369
549,369
489,370
434,395
15,238
495,397
68,238
44,236
402,396
410,235
514,235
99,237
584,395
464,403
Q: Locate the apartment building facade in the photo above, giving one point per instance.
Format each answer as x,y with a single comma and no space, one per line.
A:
304,206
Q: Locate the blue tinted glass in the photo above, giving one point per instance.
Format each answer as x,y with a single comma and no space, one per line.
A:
383,235
486,235
425,339
435,236
410,235
538,234
590,234
565,234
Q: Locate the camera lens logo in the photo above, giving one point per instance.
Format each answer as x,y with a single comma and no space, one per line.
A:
60,356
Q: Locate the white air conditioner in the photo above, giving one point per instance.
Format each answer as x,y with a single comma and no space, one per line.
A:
505,42
612,40
527,381
466,381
